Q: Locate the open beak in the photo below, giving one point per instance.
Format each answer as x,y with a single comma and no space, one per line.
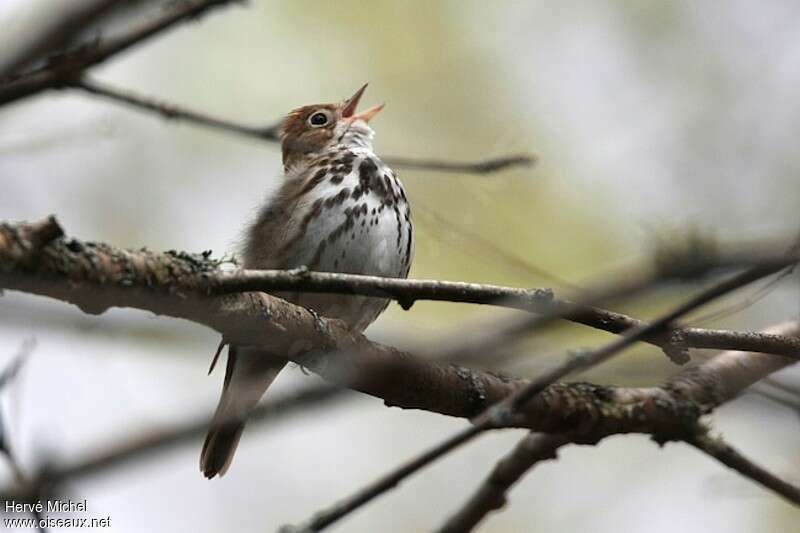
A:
350,105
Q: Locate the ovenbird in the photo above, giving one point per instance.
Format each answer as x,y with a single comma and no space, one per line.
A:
338,208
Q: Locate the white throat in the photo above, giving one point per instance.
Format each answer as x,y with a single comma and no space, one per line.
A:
357,134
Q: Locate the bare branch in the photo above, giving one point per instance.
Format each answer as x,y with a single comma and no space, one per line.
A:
693,266
487,166
8,374
271,132
534,448
714,383
6,450
491,495
34,258
96,276
502,413
174,112
137,448
55,32
12,369
540,301
725,454
65,68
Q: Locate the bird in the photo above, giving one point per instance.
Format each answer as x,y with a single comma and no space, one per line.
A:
338,208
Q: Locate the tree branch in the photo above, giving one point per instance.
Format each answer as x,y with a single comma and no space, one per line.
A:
8,375
271,132
539,301
491,495
725,454
67,67
36,259
487,166
170,111
29,46
95,276
534,448
502,413
140,447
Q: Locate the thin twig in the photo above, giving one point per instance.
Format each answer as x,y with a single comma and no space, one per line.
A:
169,111
137,448
10,373
588,360
503,334
487,166
503,257
725,454
788,389
63,69
271,132
776,397
12,369
500,414
757,295
491,495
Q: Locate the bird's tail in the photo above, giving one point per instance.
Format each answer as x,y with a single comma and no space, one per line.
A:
248,374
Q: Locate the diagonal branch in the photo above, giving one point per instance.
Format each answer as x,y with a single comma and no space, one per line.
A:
503,412
488,247
170,111
67,67
727,455
534,448
271,132
137,448
29,46
491,495
7,376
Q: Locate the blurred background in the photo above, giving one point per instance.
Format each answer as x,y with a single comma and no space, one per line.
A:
650,120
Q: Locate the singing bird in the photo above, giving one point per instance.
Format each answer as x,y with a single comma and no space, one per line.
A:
338,208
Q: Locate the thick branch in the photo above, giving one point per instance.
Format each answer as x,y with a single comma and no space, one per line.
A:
515,405
492,494
96,276
717,381
34,258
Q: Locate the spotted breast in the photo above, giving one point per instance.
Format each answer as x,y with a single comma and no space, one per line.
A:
339,208
349,214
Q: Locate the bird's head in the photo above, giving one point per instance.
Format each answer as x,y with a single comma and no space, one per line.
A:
314,129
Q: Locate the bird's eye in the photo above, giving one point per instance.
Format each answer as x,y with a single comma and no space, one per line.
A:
318,119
